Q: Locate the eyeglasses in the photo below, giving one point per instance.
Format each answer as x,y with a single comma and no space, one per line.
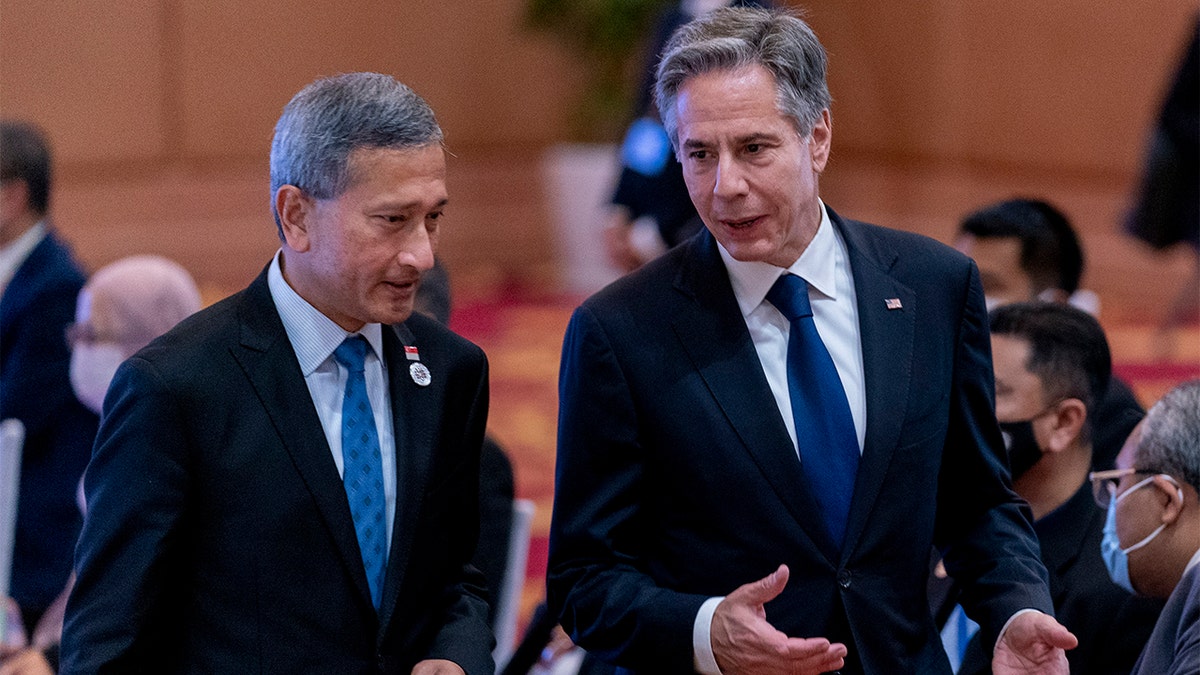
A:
1106,484
82,334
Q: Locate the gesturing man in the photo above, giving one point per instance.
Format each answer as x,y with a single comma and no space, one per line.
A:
763,432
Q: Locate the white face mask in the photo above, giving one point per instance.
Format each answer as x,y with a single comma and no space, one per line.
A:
92,369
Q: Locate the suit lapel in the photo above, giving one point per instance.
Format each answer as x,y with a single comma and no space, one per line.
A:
715,338
886,334
266,355
413,409
44,261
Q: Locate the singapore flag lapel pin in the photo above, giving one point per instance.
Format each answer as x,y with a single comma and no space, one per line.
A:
418,371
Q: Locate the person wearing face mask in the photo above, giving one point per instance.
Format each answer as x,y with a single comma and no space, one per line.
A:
120,309
1151,541
1027,250
1051,363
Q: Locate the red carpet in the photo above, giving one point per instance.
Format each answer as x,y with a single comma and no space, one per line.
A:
522,331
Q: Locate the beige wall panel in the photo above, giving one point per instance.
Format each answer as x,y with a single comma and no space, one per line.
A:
89,72
241,62
1070,85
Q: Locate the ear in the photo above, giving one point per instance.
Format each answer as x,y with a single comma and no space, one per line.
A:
822,139
1171,495
1068,420
294,209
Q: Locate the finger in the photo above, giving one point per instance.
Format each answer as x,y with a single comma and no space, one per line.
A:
762,591
1057,635
815,655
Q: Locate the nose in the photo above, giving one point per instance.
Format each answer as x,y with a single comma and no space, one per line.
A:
418,250
730,181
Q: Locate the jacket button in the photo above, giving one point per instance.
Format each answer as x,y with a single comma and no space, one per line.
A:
843,578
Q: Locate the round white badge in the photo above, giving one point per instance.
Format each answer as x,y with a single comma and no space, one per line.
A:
420,374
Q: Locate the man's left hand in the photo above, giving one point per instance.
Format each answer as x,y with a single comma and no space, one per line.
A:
437,667
1033,644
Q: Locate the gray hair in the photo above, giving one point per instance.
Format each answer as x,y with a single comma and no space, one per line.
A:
1170,440
736,37
331,118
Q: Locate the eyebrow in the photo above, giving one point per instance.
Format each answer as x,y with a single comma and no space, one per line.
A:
409,206
758,137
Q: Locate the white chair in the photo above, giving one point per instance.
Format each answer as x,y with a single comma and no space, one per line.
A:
12,439
508,597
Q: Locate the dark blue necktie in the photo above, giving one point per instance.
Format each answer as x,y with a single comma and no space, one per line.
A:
362,466
824,427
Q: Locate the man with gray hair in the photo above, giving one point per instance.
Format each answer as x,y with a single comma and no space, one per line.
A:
1151,539
763,432
287,481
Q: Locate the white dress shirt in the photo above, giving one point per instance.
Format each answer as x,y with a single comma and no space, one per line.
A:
824,264
15,254
314,338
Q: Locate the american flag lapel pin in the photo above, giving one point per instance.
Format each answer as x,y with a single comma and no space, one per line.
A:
892,303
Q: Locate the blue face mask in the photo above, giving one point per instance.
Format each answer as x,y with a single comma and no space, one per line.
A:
1116,559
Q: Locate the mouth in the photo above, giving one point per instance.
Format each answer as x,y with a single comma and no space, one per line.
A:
741,224
403,284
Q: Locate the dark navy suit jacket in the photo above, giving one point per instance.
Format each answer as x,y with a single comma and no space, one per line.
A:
35,310
677,480
219,538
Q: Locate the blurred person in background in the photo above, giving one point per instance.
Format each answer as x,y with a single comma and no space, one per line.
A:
651,210
121,308
1026,249
1166,213
496,487
39,282
1151,539
1052,364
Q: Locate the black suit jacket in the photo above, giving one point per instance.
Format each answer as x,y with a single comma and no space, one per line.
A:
677,479
37,306
1112,625
219,538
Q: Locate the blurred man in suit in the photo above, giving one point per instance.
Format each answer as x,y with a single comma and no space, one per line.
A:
39,280
1052,364
1152,533
763,432
1026,249
288,480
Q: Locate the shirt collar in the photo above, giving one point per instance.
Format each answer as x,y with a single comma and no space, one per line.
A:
817,265
313,335
14,255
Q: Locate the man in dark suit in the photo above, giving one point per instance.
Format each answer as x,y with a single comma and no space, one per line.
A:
39,280
1152,534
1052,366
288,480
739,492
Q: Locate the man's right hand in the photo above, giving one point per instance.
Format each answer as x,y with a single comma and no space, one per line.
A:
744,642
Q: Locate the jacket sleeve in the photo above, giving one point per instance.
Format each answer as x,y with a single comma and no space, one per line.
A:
984,528
128,553
605,601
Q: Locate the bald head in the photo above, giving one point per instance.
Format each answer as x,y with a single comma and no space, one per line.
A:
134,300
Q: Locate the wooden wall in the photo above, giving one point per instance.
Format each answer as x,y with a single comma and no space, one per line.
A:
161,114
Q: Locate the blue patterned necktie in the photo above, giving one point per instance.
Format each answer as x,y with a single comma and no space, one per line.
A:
362,466
825,432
